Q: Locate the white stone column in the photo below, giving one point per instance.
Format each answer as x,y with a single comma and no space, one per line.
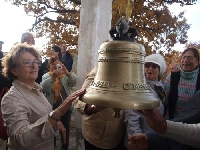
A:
95,23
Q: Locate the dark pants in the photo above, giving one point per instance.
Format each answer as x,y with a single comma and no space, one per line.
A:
65,119
89,146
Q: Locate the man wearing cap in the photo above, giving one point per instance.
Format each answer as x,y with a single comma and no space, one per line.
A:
1,53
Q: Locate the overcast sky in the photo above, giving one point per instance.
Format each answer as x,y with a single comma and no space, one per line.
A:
14,22
193,18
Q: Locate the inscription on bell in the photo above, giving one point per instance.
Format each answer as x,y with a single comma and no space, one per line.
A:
101,84
132,86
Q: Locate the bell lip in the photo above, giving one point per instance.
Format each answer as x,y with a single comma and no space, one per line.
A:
149,101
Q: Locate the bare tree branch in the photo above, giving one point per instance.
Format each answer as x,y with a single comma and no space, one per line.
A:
57,10
37,21
182,2
78,2
64,11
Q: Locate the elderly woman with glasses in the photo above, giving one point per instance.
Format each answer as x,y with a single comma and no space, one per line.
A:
154,67
180,86
31,122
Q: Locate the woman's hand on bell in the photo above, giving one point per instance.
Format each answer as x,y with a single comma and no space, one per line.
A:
65,106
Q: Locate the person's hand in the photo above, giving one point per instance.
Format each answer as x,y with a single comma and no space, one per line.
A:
138,142
55,74
155,120
92,109
64,107
65,71
97,108
62,131
174,67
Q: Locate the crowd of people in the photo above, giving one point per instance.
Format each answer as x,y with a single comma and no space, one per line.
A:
37,103
22,69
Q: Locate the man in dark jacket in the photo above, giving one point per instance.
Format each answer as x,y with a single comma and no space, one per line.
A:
66,57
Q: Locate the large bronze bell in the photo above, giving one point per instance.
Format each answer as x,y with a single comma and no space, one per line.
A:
120,80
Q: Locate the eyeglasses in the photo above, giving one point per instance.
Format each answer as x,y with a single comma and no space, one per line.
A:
187,57
148,65
29,63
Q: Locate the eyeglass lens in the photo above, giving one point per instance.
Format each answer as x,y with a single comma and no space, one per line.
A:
148,65
29,63
187,57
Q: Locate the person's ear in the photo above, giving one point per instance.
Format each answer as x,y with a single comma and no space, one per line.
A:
14,72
